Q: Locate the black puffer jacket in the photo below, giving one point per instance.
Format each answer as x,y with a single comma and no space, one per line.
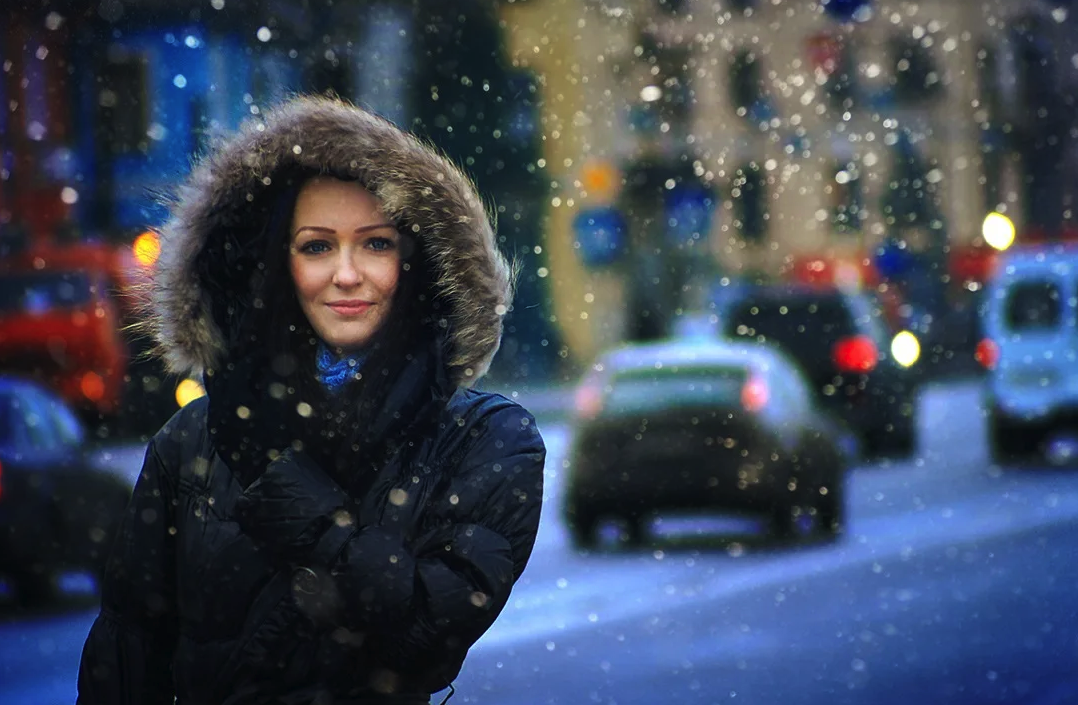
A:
295,588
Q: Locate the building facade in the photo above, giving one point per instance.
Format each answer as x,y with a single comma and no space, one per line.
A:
827,135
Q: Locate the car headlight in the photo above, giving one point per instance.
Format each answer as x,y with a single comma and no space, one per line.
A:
905,348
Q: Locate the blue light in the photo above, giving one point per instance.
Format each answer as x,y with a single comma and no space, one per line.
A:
601,236
845,10
689,209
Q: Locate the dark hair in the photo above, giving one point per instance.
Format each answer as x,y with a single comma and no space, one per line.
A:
265,318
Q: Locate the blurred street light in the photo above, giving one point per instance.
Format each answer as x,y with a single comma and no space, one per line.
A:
998,231
147,248
187,391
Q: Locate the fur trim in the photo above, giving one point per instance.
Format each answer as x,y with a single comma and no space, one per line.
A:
419,188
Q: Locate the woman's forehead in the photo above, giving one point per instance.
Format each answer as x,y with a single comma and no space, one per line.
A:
333,203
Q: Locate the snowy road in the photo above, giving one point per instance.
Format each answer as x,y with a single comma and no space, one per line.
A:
953,585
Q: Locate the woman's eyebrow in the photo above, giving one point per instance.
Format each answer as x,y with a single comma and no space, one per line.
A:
329,231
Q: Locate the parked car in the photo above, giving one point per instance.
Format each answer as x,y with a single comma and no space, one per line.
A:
857,368
701,425
57,511
1030,314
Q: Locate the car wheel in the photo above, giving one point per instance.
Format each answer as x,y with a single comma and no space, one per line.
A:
1009,442
36,587
635,533
831,510
898,442
583,524
783,525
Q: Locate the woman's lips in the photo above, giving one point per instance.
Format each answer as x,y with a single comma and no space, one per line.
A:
350,308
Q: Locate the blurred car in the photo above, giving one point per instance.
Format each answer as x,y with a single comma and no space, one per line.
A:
857,369
702,425
1030,351
60,326
57,511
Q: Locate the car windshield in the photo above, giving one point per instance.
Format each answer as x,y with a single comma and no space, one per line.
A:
1033,305
39,292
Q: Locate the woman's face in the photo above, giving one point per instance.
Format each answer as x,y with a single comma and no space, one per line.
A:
345,258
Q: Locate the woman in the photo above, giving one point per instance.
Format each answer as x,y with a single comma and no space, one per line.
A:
341,517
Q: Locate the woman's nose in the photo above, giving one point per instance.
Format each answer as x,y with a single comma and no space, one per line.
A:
347,273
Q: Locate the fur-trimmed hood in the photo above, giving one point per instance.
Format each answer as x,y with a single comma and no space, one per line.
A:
421,190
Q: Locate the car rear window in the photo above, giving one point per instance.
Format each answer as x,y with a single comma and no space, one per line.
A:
677,381
43,291
805,328
1033,305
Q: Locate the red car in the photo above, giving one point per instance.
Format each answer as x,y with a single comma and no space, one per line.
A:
62,327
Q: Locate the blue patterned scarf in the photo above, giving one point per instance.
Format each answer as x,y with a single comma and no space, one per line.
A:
333,371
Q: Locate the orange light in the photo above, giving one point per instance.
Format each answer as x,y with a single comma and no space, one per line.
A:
600,179
92,386
147,248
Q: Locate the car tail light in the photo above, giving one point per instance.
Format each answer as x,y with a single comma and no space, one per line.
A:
857,354
754,394
92,386
987,353
589,400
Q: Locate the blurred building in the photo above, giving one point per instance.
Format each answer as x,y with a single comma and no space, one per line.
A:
830,135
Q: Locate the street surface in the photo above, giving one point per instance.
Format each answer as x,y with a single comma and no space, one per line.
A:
953,584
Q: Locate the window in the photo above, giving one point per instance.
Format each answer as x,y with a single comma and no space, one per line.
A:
645,386
1033,305
30,428
988,85
669,96
841,86
846,198
749,190
672,7
44,291
917,79
122,104
746,82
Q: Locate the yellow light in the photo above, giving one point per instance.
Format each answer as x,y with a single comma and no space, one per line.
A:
147,248
187,391
905,349
998,231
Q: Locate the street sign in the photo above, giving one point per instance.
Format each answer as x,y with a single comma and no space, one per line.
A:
601,236
689,210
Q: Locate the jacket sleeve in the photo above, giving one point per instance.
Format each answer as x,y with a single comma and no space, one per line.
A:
127,657
444,588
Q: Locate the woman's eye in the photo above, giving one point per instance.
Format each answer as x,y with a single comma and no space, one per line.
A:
315,248
381,244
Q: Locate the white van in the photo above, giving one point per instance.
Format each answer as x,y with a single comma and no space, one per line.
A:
1032,343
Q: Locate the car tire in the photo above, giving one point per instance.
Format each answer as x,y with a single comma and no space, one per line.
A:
783,525
1009,442
36,588
898,442
831,510
583,525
